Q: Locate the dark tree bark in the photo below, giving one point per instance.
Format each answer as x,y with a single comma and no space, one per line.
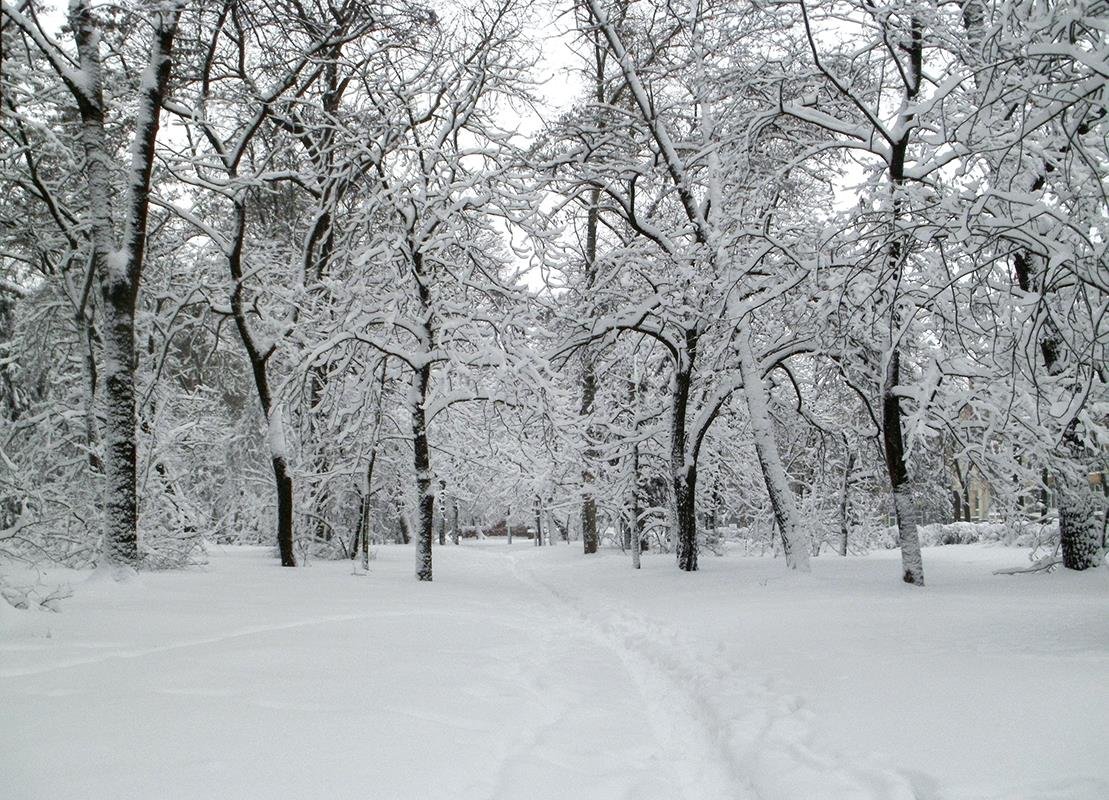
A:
284,483
905,510
893,444
1079,537
359,528
317,381
634,525
422,462
683,470
589,536
92,426
962,494
421,449
259,361
588,397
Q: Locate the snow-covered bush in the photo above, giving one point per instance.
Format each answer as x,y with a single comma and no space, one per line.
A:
1007,534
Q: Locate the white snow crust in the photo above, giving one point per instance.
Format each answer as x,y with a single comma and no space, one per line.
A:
528,672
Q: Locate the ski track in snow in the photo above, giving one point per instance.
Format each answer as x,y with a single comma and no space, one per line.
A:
549,637
682,722
729,734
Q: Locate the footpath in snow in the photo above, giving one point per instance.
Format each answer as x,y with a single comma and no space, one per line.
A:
537,673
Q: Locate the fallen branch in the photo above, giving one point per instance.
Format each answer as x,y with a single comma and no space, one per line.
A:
1046,563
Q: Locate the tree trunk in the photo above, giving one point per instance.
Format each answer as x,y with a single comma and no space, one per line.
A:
366,509
9,396
912,565
283,482
893,445
635,534
843,501
317,381
1105,509
634,526
1078,534
275,437
1079,537
360,526
121,503
683,469
403,526
589,390
319,249
92,424
119,270
589,536
795,542
422,462
366,540
685,510
962,494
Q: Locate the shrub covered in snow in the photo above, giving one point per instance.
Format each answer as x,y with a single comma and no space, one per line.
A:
1007,534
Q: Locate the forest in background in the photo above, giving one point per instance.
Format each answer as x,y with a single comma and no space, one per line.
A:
791,271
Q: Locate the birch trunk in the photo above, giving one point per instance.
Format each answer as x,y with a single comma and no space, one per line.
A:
843,501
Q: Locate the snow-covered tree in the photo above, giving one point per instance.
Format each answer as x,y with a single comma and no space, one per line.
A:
114,214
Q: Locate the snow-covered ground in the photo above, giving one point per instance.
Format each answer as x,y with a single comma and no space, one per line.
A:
527,673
